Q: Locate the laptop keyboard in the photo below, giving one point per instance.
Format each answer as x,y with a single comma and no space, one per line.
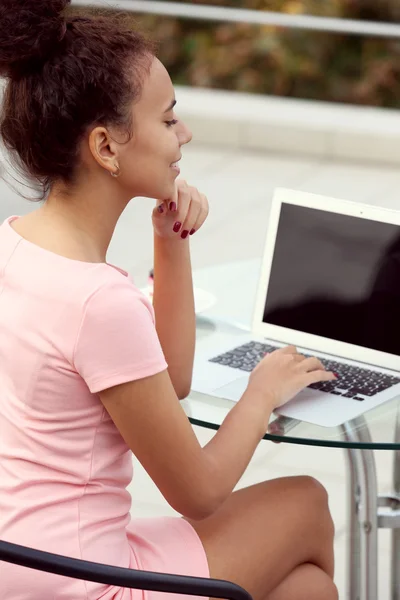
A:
353,382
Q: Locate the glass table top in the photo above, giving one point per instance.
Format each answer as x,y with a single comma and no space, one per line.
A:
231,314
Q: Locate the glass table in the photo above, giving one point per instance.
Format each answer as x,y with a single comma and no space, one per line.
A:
234,286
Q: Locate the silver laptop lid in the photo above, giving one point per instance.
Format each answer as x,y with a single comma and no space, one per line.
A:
332,278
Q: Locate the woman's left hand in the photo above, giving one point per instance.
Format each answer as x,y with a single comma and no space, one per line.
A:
182,215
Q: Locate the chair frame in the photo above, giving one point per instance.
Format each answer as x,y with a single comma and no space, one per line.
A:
120,577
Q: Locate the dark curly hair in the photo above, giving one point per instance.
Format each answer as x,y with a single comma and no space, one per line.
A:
65,73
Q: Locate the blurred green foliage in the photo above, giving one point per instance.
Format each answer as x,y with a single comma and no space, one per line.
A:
284,62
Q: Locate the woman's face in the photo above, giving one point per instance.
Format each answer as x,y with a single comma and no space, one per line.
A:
148,163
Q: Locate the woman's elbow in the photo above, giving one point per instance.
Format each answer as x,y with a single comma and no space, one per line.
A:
181,379
199,513
199,507
183,389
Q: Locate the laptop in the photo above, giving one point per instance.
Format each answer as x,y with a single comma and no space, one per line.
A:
330,285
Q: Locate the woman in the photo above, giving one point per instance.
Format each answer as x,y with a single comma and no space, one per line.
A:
89,114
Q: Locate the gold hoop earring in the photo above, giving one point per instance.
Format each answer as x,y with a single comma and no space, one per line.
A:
117,173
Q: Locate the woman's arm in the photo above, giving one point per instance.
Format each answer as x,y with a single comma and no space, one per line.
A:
173,287
194,480
174,309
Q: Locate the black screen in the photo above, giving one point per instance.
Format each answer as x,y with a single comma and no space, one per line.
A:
336,276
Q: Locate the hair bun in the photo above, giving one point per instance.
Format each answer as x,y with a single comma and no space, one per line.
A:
29,32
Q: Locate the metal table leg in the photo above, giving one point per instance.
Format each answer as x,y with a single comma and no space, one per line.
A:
363,558
396,532
354,550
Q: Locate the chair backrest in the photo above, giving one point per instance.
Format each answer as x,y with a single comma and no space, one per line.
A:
120,577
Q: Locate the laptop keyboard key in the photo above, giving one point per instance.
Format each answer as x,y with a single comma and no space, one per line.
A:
248,368
328,387
316,386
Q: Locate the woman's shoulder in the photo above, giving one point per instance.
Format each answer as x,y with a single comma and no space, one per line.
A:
109,296
111,283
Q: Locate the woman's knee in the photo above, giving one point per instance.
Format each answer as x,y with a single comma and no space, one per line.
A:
315,501
312,487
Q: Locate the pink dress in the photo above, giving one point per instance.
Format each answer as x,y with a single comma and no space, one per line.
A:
68,330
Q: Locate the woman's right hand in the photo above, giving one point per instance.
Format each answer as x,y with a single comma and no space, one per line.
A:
284,373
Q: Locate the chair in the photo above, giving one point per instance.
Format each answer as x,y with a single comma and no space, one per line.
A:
120,577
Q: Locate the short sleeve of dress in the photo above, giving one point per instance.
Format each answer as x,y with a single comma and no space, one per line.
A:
117,340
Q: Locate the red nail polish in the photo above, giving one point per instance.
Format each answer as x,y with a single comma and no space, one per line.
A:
192,232
172,206
160,208
177,226
184,234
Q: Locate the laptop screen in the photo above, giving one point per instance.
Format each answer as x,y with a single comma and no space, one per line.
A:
336,276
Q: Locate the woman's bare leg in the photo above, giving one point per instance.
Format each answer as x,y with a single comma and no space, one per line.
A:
273,538
306,582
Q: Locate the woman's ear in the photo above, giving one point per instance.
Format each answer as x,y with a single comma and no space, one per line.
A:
104,149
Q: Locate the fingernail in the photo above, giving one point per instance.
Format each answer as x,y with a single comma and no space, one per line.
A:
160,208
192,232
172,206
177,226
184,234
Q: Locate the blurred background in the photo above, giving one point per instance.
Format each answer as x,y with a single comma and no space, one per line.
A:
267,59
